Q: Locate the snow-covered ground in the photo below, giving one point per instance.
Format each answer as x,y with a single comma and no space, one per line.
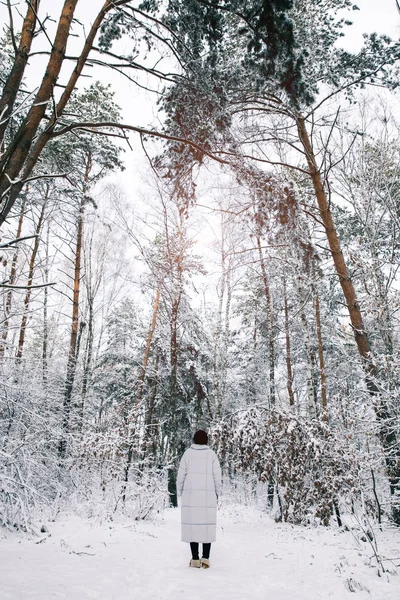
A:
253,559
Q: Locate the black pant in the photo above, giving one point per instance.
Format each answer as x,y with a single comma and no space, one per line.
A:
194,546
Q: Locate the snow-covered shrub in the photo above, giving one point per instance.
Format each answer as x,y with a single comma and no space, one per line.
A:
29,469
97,486
308,465
244,489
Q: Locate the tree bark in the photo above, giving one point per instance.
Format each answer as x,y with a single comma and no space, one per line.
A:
387,431
218,344
174,343
88,357
289,370
32,263
12,279
21,157
324,401
151,428
178,416
15,155
14,79
142,376
225,345
139,389
45,312
311,386
345,281
72,353
270,329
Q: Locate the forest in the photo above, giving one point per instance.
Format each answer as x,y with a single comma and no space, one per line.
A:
247,283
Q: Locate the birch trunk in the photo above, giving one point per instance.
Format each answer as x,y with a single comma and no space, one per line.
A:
270,329
11,280
218,346
324,401
225,341
45,311
289,369
311,389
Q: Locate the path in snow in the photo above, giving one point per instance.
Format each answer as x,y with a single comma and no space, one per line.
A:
253,559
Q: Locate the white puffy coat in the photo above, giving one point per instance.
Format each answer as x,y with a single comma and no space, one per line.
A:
199,484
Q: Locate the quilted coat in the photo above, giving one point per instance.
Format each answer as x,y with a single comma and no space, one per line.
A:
199,484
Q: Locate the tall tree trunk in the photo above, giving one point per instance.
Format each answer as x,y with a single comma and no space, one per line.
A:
151,427
311,387
289,369
20,158
45,341
324,402
14,79
71,362
387,432
16,154
150,335
174,344
270,328
73,343
218,344
177,413
345,281
225,344
32,263
11,281
139,390
222,334
87,367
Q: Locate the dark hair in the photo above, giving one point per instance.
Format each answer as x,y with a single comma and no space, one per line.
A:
200,437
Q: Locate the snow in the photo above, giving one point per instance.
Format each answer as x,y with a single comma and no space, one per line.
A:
254,558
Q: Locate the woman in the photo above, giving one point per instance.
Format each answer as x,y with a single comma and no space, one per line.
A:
199,484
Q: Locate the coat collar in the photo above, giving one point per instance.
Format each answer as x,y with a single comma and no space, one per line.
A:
199,447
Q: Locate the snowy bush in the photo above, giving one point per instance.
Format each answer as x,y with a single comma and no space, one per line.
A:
97,487
244,489
36,484
29,470
308,467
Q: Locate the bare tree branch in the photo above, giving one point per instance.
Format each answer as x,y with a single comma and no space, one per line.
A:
12,33
142,131
17,240
26,287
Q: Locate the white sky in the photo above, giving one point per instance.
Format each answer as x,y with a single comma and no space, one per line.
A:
381,16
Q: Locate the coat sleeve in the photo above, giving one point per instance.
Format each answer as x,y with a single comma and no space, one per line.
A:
182,472
216,471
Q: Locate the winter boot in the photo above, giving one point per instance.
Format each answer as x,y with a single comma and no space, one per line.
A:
205,563
195,563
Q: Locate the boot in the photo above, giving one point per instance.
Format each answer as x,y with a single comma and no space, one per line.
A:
195,563
205,563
